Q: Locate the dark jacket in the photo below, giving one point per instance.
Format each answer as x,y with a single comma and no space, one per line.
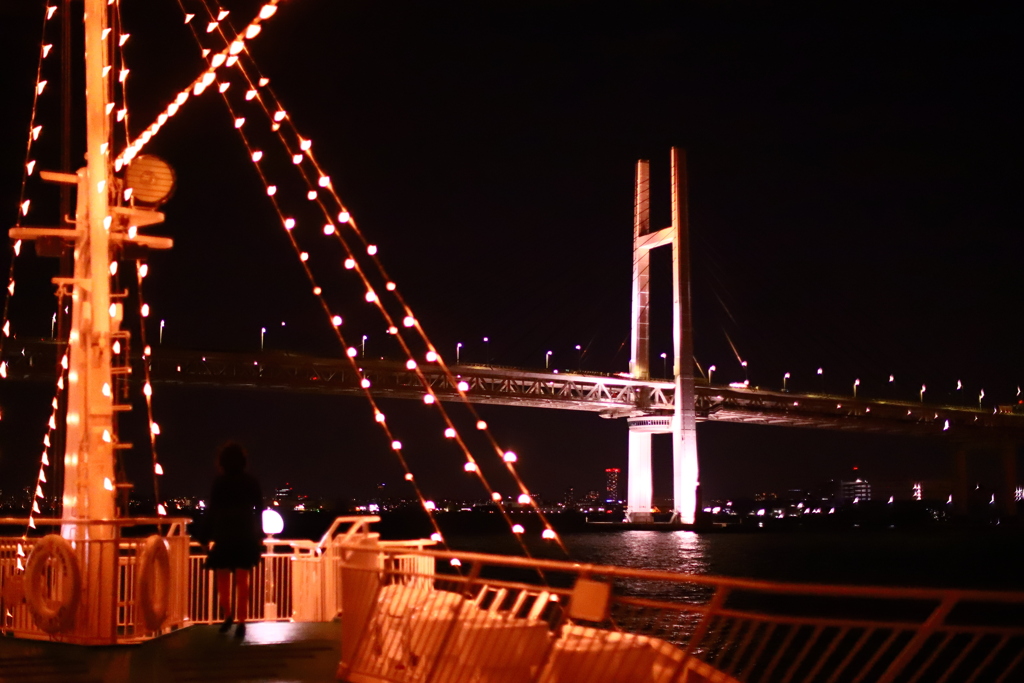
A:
234,522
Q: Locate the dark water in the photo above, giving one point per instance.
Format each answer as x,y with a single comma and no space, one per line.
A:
949,558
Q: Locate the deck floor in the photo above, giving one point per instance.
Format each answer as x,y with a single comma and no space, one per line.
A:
270,651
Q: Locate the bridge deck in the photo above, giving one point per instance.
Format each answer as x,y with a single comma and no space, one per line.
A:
611,396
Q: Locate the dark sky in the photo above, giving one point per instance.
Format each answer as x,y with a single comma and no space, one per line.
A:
854,204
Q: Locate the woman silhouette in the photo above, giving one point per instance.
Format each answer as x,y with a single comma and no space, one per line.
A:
233,525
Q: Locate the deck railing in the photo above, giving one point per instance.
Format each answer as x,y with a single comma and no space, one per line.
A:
501,619
129,626
296,580
413,614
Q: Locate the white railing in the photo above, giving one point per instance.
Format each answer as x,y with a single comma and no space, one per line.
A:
299,580
296,580
514,620
17,620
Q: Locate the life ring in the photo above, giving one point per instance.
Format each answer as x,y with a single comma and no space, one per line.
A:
154,582
49,614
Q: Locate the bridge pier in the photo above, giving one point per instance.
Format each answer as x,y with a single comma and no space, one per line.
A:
1005,487
639,489
1006,497
960,486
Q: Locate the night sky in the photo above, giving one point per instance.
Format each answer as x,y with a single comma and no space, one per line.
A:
854,201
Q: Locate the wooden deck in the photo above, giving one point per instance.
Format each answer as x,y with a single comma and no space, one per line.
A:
270,651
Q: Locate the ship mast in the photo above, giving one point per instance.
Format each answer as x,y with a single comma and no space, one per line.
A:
89,491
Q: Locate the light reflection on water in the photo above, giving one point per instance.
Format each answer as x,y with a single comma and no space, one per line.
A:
677,551
948,558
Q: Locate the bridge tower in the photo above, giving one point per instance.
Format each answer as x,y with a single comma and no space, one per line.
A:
683,423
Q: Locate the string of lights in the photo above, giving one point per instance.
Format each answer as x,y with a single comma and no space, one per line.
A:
44,460
141,270
302,151
24,204
119,62
227,57
335,319
289,224
28,169
298,153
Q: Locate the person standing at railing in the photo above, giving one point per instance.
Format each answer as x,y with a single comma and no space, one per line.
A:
232,526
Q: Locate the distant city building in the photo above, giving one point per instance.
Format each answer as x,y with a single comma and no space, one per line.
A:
855,491
765,496
591,497
611,478
570,497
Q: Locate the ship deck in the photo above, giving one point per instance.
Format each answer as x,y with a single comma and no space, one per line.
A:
271,651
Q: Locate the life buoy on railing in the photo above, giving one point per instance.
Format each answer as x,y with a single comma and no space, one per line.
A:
154,582
53,597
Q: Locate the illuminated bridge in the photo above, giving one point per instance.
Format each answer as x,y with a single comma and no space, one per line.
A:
647,404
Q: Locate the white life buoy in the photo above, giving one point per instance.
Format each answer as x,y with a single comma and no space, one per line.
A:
154,582
53,597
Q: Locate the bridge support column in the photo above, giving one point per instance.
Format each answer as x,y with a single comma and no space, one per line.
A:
640,480
1008,485
960,488
685,471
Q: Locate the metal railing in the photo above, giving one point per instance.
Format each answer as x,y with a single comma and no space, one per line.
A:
16,618
295,580
511,620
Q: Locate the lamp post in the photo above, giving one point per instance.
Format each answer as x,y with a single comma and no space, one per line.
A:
921,394
547,360
856,383
161,331
959,393
746,377
821,374
263,333
487,349
458,351
981,395
363,352
53,325
579,357
664,364
785,378
711,372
